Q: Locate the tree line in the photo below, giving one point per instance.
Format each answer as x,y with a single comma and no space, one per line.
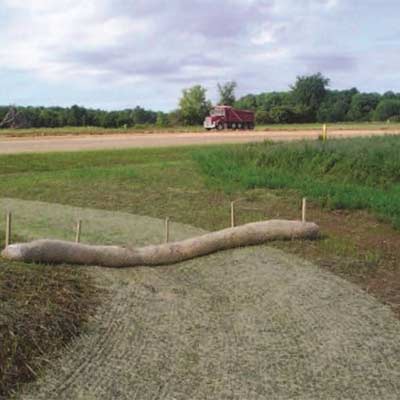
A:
53,117
309,99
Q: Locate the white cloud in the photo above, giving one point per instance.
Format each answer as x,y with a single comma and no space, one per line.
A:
121,39
167,45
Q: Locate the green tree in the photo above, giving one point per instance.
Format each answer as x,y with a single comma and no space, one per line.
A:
162,120
32,115
263,117
309,91
283,115
363,106
139,115
111,120
390,95
227,93
267,101
193,105
48,118
174,118
3,112
123,118
387,109
248,102
336,105
76,116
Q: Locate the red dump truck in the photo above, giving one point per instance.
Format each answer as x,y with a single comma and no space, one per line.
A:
226,117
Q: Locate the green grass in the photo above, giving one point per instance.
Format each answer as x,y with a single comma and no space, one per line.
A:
89,130
154,182
361,173
34,164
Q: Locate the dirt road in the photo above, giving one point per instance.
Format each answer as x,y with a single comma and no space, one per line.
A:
253,323
97,142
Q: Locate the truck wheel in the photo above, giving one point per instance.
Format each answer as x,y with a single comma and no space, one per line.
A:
233,126
239,125
220,127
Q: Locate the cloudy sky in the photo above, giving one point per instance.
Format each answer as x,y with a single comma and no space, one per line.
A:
114,54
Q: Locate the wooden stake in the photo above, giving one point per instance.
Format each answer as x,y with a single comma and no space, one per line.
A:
8,229
167,230
304,210
78,231
232,214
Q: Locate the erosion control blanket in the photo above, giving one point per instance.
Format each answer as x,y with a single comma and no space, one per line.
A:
57,252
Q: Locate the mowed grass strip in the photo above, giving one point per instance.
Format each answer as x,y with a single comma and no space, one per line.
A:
154,182
51,162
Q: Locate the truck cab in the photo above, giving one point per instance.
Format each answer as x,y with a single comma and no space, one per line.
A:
216,119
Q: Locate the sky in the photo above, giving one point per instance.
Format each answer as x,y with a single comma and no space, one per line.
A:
116,54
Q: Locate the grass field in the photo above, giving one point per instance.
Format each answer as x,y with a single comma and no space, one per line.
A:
176,183
341,174
154,129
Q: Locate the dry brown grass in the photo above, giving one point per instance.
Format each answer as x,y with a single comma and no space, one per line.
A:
42,309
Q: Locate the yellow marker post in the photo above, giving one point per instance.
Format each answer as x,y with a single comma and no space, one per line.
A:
324,132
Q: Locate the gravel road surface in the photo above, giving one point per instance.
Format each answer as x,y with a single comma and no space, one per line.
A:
97,142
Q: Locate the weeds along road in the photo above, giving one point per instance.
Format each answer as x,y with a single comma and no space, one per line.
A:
124,141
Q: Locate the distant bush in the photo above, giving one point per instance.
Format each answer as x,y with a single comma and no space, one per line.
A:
336,106
142,126
363,106
263,117
387,109
283,115
162,120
